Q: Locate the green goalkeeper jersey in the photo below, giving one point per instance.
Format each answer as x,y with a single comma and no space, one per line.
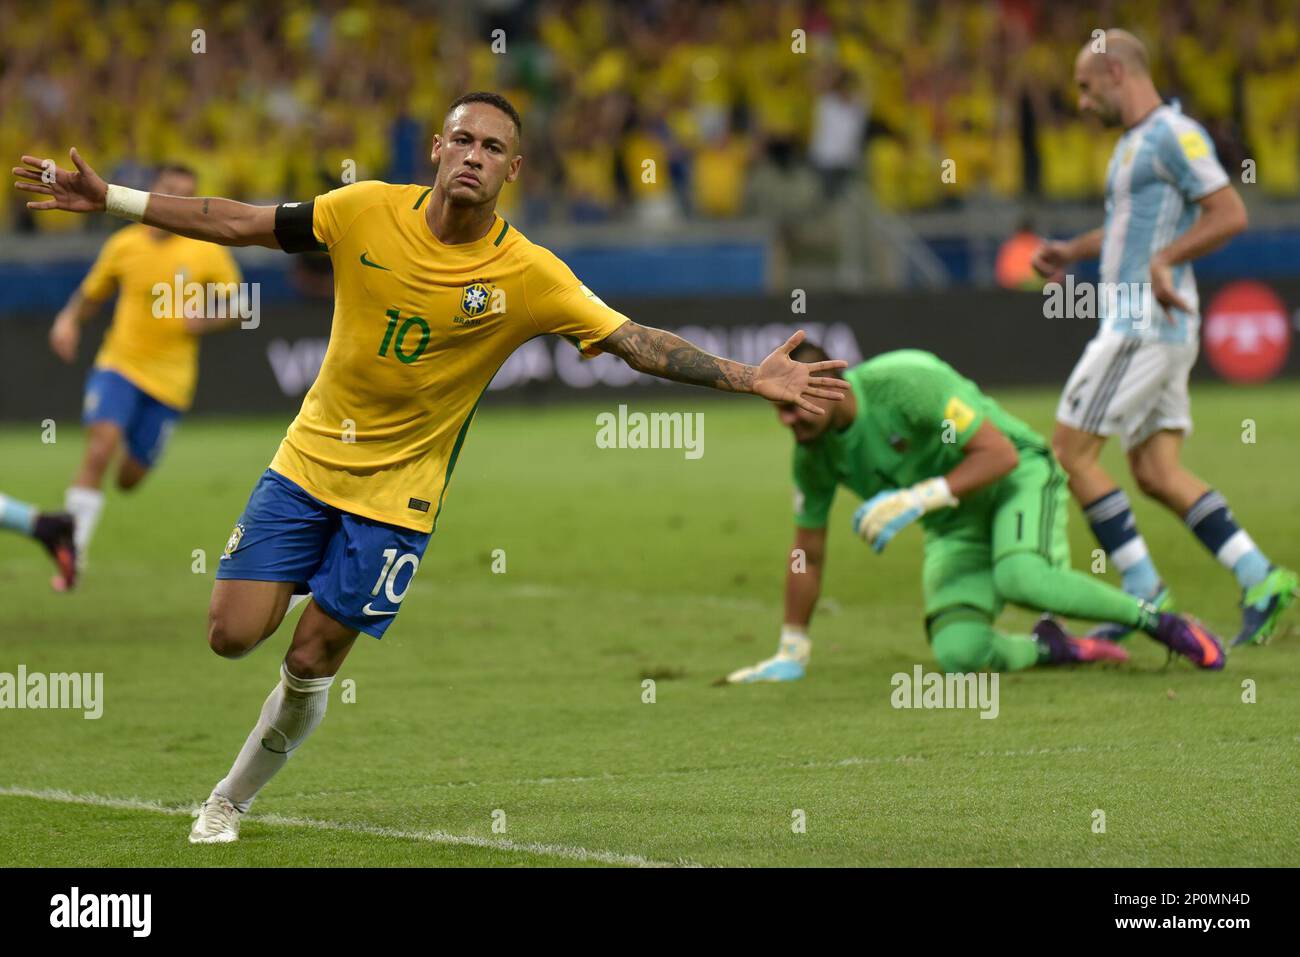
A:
915,414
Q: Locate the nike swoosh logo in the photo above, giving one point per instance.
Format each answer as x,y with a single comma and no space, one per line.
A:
366,262
1209,653
370,611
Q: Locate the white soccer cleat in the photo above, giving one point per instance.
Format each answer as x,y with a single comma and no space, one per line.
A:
777,668
215,822
788,664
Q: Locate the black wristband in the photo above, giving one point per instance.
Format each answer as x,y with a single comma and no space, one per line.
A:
293,228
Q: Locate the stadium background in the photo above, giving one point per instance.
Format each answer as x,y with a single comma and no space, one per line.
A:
675,152
777,174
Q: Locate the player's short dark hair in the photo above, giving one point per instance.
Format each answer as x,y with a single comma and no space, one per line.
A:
491,99
811,352
171,167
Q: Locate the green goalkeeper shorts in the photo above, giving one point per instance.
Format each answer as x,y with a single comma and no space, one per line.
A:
1025,512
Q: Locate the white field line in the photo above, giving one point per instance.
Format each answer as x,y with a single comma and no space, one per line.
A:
563,851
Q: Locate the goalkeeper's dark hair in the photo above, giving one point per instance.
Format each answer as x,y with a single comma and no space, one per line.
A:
811,352
180,169
491,99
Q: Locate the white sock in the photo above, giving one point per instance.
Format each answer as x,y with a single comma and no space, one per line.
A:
84,504
795,644
290,714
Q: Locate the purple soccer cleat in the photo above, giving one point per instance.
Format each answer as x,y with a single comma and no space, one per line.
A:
1186,636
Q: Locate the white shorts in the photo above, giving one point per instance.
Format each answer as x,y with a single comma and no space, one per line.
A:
1129,386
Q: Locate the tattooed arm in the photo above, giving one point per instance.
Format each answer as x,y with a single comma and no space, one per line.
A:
778,377
668,356
222,221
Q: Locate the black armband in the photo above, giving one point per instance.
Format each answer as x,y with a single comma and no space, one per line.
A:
293,228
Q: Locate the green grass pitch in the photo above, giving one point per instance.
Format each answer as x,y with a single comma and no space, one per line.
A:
522,692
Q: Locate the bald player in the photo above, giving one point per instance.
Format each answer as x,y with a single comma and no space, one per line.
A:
432,293
1168,202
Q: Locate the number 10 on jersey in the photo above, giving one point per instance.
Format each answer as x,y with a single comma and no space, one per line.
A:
397,336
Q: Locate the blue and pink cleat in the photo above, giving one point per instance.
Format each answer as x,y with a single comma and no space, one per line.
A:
1065,649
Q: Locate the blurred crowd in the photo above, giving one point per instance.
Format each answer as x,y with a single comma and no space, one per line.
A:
655,110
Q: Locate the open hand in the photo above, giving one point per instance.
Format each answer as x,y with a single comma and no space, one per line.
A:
782,379
74,191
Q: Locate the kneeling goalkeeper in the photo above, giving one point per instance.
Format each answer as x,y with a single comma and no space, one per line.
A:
918,441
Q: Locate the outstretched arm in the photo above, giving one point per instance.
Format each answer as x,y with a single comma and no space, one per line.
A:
778,377
213,220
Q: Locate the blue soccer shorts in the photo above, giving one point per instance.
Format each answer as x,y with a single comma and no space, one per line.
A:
145,422
358,570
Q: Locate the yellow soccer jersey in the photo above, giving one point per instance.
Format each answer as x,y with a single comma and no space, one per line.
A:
156,354
419,330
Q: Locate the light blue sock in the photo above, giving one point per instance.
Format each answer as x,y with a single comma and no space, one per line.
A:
1212,522
1251,568
1111,519
17,515
1141,578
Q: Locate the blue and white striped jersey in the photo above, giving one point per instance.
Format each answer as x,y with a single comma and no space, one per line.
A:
1158,172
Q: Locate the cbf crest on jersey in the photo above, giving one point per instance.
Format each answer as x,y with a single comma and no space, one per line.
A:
480,300
474,300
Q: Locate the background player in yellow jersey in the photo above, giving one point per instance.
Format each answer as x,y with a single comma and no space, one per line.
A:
433,291
146,370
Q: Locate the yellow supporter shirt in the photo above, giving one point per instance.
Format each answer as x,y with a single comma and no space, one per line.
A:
157,355
419,330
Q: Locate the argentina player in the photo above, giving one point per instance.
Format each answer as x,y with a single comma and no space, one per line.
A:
1168,202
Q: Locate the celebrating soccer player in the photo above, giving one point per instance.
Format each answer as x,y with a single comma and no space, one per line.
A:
1168,201
147,368
919,442
433,291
